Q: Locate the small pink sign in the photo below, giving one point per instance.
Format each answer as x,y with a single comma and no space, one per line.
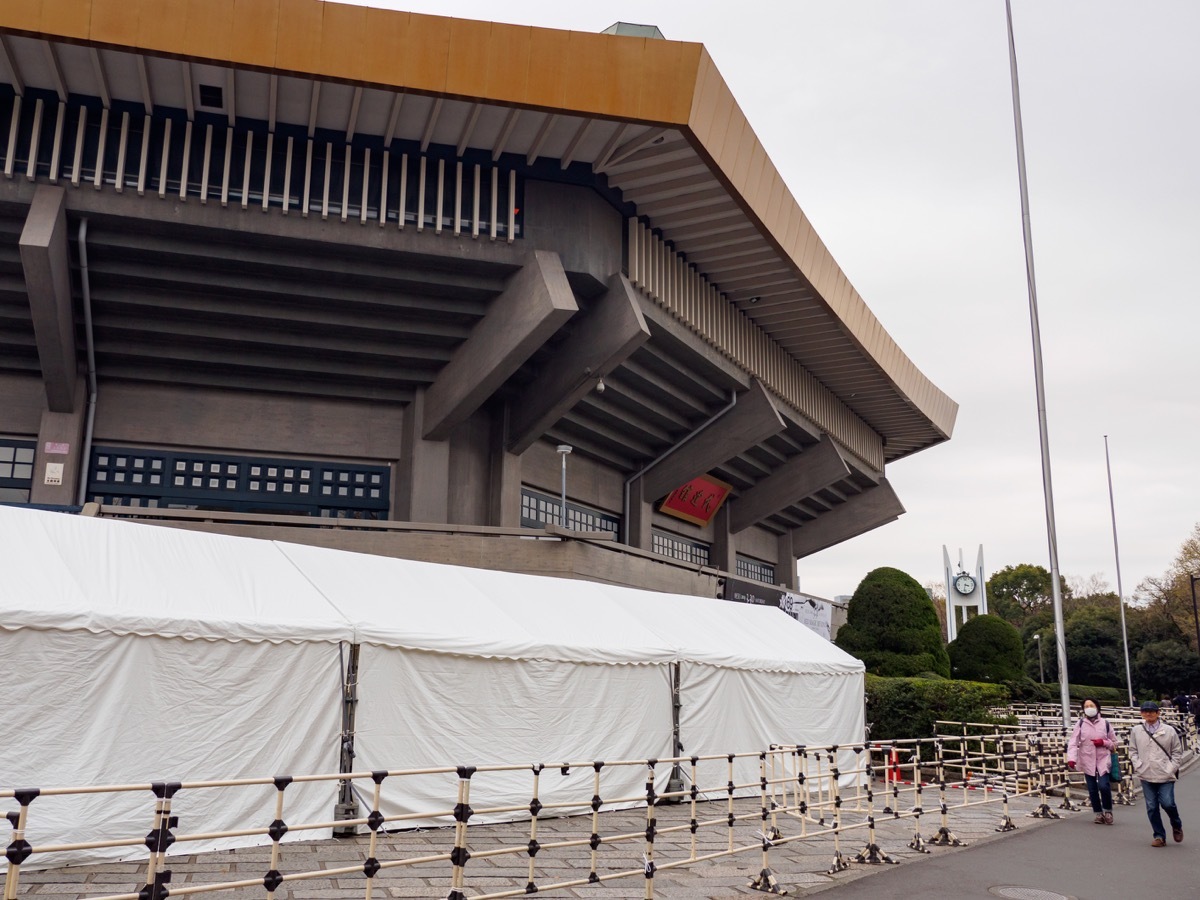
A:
59,447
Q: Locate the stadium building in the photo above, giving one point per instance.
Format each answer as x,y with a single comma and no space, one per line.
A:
358,278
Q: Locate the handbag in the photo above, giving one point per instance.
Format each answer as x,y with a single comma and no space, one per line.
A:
1114,762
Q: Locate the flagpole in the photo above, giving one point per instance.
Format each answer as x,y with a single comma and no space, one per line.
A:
1039,382
1117,556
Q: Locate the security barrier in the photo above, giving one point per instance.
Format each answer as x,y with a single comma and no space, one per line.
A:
802,792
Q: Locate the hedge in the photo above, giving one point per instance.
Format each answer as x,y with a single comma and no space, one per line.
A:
900,708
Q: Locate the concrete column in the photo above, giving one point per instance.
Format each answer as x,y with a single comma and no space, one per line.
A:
60,443
785,567
641,514
423,471
723,553
504,485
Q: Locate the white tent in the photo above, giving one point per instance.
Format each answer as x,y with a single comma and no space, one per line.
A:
219,656
131,654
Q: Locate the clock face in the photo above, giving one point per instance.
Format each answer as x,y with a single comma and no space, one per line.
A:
964,584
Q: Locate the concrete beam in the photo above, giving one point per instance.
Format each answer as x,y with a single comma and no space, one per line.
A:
535,303
750,421
799,477
785,569
604,338
873,507
46,262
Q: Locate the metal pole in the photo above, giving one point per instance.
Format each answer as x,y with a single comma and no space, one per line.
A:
1041,665
1031,283
1117,556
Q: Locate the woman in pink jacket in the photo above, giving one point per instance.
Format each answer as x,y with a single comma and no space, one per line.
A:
1090,751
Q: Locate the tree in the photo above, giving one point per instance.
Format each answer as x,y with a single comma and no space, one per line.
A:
1166,667
987,649
892,626
1171,594
1017,592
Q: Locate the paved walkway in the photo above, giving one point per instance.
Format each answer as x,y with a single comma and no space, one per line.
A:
1070,856
1073,857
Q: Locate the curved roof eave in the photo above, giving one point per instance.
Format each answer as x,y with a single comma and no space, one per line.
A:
647,81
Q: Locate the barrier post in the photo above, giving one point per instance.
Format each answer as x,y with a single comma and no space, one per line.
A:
371,864
802,786
1043,811
597,801
839,862
888,752
18,849
765,880
652,822
278,828
729,790
918,843
694,825
871,854
159,839
535,807
944,837
462,815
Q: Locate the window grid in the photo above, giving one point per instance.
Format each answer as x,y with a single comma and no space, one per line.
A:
16,463
672,545
16,470
539,510
756,569
190,480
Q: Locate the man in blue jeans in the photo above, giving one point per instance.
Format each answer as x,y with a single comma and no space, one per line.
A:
1156,752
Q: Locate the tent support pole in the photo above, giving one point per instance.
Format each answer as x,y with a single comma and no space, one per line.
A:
675,782
347,806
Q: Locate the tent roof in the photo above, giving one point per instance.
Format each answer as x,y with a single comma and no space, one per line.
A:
68,573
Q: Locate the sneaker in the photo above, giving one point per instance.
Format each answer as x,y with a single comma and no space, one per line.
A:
1177,833
1158,842
1099,820
1108,819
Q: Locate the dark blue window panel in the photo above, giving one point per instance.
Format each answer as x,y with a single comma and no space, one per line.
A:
192,479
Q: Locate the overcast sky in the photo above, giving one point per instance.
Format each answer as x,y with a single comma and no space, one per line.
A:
892,124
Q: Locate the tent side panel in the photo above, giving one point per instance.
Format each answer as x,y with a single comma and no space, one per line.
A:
78,708
419,710
736,711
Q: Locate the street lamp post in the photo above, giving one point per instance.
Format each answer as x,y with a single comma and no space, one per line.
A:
1041,667
564,449
1120,593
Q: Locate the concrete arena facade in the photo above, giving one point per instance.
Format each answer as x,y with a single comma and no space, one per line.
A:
344,263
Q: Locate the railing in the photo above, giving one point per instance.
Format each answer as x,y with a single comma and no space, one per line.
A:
802,793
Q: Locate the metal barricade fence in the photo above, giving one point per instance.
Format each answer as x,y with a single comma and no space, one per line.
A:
802,792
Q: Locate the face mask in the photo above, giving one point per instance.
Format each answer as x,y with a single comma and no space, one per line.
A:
1091,712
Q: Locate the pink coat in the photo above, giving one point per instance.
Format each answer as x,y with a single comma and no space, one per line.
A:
1088,758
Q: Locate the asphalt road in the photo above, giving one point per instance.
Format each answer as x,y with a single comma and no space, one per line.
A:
1074,858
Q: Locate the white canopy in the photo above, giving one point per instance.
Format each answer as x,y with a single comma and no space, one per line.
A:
136,653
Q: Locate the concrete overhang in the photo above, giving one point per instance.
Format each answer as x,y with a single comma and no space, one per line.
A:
654,118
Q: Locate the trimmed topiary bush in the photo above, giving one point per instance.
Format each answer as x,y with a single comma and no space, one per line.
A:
900,708
892,626
987,649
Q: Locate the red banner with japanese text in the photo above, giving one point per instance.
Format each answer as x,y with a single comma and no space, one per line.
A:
697,501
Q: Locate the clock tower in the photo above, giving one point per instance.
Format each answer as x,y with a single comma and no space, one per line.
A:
966,595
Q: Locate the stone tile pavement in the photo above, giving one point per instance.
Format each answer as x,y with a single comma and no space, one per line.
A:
800,864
